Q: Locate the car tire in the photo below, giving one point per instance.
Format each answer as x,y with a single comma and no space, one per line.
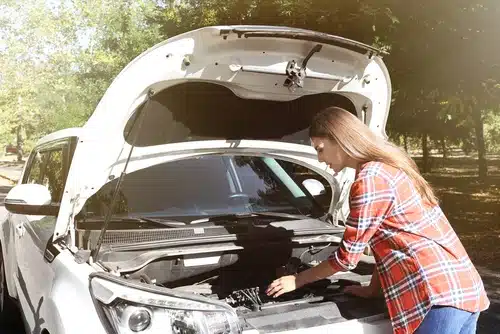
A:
9,312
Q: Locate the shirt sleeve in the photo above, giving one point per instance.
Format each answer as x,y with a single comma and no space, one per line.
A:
371,200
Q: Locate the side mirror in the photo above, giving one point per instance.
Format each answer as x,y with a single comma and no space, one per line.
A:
314,187
31,199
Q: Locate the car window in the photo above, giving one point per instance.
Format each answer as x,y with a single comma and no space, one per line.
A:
205,186
34,171
47,167
301,173
53,177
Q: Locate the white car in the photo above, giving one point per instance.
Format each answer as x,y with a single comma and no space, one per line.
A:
191,187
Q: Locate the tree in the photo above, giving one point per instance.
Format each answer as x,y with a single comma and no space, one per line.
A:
330,16
59,58
31,37
447,54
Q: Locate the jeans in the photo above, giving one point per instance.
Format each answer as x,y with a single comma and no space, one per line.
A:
448,320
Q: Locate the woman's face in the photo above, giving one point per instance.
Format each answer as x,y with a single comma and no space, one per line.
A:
330,153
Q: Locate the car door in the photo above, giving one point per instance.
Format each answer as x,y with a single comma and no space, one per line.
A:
48,165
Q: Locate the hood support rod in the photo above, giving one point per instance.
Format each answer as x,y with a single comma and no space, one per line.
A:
139,119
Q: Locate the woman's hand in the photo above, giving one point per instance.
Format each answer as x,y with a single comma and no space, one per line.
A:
282,285
372,290
289,283
361,291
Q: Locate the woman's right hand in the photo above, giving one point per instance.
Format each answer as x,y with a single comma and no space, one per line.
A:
282,285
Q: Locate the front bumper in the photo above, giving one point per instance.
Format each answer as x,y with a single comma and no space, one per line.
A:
378,324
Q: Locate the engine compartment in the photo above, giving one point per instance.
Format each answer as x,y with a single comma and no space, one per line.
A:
235,263
242,285
240,279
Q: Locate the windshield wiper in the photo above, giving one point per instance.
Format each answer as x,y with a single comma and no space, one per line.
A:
244,215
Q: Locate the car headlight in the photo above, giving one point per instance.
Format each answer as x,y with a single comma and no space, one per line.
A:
135,308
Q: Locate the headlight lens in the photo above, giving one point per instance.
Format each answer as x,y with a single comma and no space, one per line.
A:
139,319
130,310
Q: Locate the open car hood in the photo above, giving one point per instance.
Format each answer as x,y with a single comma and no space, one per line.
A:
255,63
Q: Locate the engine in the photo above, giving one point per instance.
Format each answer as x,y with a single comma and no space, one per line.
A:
244,288
247,289
240,279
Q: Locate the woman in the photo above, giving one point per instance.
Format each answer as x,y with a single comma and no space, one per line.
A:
426,276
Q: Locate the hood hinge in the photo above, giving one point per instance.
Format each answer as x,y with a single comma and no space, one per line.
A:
296,74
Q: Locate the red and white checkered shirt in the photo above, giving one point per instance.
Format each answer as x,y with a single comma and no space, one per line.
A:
420,260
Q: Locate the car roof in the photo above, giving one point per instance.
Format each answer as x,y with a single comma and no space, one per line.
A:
61,134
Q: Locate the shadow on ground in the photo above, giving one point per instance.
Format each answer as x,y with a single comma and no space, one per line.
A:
473,208
11,163
489,321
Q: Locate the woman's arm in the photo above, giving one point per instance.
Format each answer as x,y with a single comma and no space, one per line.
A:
323,270
291,282
319,272
369,291
371,198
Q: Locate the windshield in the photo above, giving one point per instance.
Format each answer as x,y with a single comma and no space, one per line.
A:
213,185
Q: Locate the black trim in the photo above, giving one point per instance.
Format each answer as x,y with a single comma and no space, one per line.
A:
29,165
34,210
51,251
307,35
196,241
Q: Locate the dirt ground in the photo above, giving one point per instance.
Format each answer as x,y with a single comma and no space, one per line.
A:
473,208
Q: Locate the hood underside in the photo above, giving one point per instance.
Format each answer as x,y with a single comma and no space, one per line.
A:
254,63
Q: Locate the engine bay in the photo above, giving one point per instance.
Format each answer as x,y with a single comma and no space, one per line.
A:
237,267
245,289
240,278
243,279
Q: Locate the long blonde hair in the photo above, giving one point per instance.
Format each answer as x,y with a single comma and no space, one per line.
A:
361,144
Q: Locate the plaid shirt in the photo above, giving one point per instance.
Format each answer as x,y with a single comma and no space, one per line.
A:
420,260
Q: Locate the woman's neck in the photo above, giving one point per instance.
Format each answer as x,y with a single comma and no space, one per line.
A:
353,163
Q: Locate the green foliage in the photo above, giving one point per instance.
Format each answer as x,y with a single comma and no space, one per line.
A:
492,130
58,58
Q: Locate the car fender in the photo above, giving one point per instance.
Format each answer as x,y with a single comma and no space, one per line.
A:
8,251
69,307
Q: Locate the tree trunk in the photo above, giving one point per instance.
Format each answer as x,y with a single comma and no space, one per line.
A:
405,141
19,143
19,129
425,154
481,148
443,147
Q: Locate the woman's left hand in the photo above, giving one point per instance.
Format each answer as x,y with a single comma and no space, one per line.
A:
282,285
361,291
